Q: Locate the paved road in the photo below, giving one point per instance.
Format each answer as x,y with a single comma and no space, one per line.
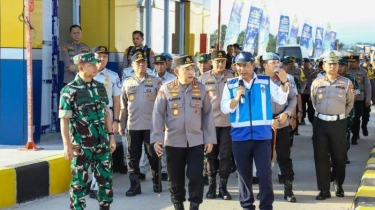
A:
304,185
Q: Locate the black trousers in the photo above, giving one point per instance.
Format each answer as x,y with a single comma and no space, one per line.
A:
329,140
358,112
134,142
177,160
366,114
310,109
283,153
224,149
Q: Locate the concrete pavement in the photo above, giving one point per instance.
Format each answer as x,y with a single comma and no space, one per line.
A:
305,187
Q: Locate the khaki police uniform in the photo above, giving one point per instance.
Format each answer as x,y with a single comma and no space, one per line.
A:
215,85
360,110
332,100
186,115
68,51
137,102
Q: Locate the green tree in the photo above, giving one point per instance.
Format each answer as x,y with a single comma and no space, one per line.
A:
271,47
213,36
241,38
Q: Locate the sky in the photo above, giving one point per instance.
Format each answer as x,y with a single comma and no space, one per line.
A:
353,21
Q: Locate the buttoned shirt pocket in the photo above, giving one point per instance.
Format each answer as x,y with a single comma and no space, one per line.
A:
196,107
340,93
211,87
176,107
321,93
82,97
149,94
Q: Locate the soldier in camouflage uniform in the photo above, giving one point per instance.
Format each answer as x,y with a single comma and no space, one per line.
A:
86,129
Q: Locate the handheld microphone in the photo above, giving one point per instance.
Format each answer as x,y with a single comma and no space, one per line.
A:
241,84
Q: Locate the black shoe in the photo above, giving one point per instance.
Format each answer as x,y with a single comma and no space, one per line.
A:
142,177
164,177
255,180
223,192
323,195
365,131
339,191
288,192
179,206
103,207
93,194
135,186
156,184
354,140
211,193
194,206
124,169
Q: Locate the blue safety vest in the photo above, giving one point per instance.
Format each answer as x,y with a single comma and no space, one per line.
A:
252,119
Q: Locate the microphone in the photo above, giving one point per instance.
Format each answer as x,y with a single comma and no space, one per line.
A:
241,84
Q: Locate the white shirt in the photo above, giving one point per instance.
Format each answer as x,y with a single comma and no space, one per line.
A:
166,78
128,72
111,82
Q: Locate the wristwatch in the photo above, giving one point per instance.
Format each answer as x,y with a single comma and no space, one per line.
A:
283,83
116,120
110,133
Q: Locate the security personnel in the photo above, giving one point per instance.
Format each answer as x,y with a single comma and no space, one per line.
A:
183,109
371,75
250,114
86,130
214,81
137,101
282,111
229,61
112,85
129,71
69,50
363,101
169,62
307,71
332,97
204,64
164,76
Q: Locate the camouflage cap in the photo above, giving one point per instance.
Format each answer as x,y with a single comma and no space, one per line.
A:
331,56
85,57
160,59
203,58
184,61
139,55
218,55
288,59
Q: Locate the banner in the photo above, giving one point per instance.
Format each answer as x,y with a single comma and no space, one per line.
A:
264,31
294,31
333,40
306,35
252,29
283,31
318,42
233,29
327,38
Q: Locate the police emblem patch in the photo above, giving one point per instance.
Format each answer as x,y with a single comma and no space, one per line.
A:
175,112
131,97
148,95
320,96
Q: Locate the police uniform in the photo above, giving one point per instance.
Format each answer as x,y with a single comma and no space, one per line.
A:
361,110
85,103
187,116
251,134
283,137
137,101
306,86
129,72
144,164
215,84
332,100
130,51
69,50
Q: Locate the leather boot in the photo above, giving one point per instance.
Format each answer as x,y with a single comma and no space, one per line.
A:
156,183
103,207
223,192
179,206
211,193
194,206
135,185
288,191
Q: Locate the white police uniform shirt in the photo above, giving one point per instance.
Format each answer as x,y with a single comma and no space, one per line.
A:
166,78
291,80
129,72
111,82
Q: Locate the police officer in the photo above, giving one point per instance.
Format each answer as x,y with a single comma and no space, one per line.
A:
69,50
360,105
138,38
204,64
229,61
164,76
282,111
169,62
332,97
137,101
183,109
251,133
214,81
307,107
129,71
86,129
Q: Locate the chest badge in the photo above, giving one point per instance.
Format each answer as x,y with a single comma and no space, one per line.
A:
131,97
320,96
175,112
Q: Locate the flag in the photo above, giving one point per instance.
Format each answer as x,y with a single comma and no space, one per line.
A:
327,38
233,29
318,42
252,29
333,40
283,31
294,31
264,31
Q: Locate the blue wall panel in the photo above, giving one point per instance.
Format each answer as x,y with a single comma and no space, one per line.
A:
13,108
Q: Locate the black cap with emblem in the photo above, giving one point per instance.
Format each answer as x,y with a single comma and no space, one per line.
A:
184,61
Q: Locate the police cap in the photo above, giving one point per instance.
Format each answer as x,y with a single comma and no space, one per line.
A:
184,61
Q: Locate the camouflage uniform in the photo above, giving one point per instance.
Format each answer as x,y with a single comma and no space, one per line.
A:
85,104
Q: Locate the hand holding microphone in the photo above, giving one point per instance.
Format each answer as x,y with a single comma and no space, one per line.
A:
241,91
